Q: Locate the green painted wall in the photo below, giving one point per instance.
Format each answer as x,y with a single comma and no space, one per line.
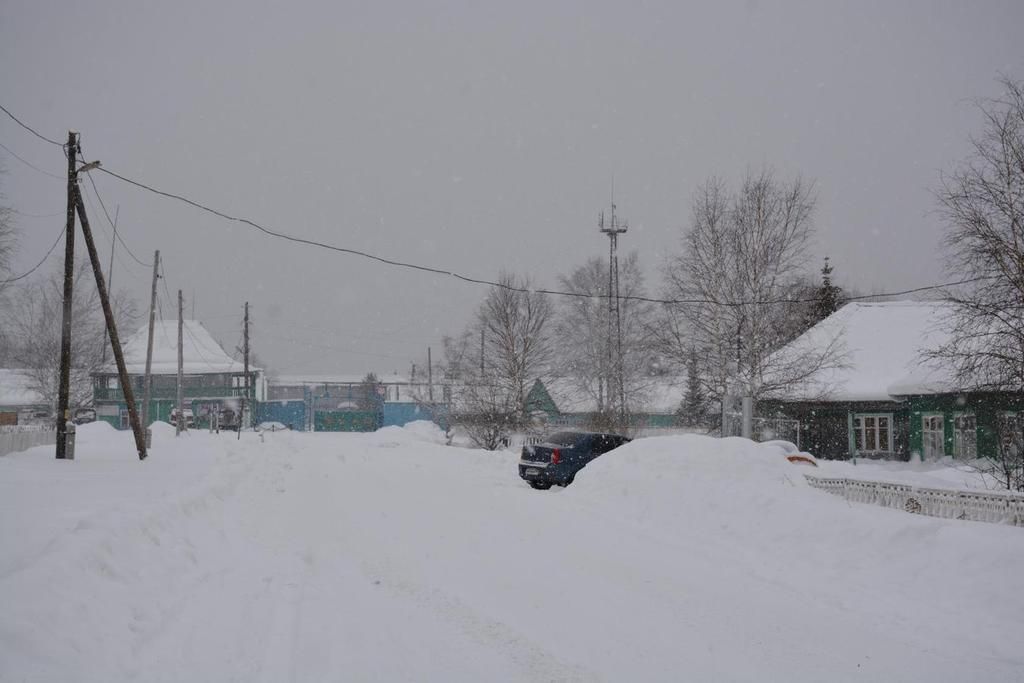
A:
985,406
347,421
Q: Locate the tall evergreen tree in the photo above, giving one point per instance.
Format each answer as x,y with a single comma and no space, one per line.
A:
829,297
693,411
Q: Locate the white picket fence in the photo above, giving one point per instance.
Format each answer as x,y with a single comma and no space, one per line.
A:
976,506
19,438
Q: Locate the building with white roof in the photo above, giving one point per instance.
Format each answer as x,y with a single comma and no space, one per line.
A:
19,400
212,379
889,399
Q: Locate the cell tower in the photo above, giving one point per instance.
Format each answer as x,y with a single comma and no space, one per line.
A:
614,381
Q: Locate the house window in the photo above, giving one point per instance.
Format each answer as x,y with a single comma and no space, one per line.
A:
872,433
1011,434
965,437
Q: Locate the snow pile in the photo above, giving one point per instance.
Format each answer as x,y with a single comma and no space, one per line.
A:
387,556
427,431
418,432
94,430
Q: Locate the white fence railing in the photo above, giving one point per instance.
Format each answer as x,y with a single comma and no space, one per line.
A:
20,438
976,506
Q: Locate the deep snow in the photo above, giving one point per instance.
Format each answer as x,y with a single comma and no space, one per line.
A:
390,556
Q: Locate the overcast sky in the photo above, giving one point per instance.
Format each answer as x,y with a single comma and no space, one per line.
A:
478,137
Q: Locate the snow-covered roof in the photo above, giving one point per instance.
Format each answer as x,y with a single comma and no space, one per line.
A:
201,353
15,389
884,344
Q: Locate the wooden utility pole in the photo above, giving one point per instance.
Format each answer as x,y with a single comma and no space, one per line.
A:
115,341
430,377
64,386
147,392
242,419
180,422
110,282
481,355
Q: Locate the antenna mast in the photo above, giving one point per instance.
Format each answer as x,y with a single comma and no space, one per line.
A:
614,381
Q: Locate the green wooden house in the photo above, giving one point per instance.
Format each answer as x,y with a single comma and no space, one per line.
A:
563,402
888,400
211,380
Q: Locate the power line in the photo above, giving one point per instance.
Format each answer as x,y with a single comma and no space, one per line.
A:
38,265
29,163
163,278
30,130
490,283
466,278
106,213
117,254
195,344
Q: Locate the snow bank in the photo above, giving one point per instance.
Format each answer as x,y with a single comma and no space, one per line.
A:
97,429
419,431
386,556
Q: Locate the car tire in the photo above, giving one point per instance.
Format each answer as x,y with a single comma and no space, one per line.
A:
539,485
568,481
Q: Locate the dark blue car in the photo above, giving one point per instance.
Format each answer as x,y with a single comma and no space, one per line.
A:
558,457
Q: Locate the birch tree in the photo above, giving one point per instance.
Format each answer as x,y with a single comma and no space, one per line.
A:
982,202
587,348
34,328
742,256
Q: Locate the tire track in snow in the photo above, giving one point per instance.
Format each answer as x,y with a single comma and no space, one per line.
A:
535,662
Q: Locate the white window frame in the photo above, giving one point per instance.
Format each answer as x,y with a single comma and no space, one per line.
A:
958,440
942,417
1018,417
862,431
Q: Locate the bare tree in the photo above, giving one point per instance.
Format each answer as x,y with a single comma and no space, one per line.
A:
982,202
488,370
7,245
586,357
7,237
516,326
472,401
34,326
743,257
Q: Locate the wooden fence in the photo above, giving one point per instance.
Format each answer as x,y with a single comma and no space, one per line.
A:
976,506
20,438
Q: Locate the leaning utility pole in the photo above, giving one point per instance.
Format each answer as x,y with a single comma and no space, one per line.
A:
64,385
613,228
149,343
180,422
110,277
108,314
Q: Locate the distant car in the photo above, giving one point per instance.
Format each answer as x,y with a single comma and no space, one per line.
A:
190,420
84,416
228,419
558,457
272,427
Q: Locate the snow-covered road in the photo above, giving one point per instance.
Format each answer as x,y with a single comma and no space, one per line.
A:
388,557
